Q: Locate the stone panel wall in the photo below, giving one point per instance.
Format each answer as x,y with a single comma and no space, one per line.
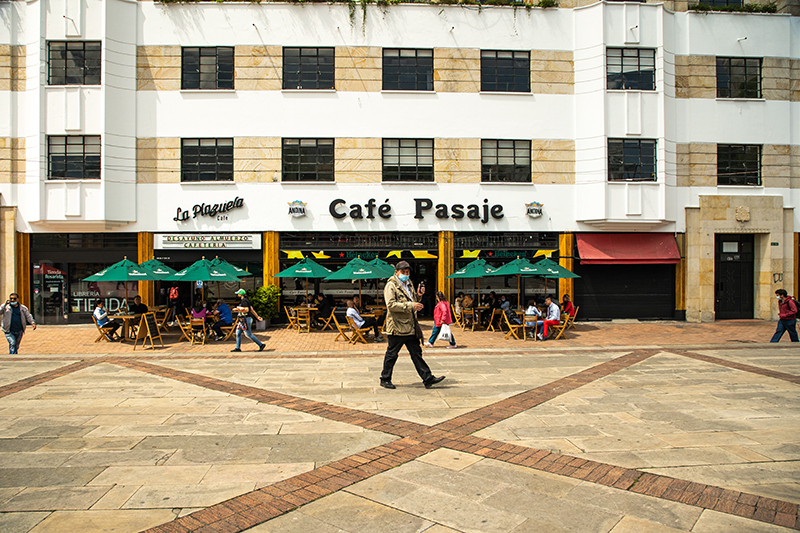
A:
256,159
696,165
457,160
358,160
695,76
12,67
158,68
457,70
552,161
359,68
776,165
258,68
12,160
776,78
552,72
158,160
8,250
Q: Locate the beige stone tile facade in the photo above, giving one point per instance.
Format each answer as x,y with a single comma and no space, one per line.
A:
12,67
697,165
258,68
8,215
695,76
553,161
552,72
776,78
358,160
158,160
456,70
359,68
12,160
776,165
158,68
457,160
256,159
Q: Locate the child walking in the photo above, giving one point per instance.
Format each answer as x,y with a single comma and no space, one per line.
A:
441,315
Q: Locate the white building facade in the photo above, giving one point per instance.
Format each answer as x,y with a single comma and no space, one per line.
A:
654,152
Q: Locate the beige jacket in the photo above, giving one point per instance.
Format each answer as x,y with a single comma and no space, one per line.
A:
401,319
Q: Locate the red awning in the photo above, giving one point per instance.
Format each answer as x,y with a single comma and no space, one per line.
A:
627,248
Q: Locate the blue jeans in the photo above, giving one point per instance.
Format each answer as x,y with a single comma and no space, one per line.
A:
435,333
249,323
15,337
786,325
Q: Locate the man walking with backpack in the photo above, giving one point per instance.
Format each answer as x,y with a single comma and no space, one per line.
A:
787,316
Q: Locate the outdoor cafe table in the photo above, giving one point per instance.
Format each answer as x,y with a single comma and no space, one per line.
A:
301,309
126,320
478,309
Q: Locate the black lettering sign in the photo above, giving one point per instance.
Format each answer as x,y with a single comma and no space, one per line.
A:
209,210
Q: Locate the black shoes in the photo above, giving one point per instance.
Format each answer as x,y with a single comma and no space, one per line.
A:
261,348
236,350
387,385
433,381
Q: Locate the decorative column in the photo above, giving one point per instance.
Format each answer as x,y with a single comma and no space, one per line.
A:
22,265
566,245
269,247
147,289
680,278
445,264
8,248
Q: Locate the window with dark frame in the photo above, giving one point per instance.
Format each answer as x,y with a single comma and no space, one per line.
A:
408,160
505,71
207,67
206,160
505,161
308,68
407,69
631,160
738,77
73,157
738,164
74,62
307,160
631,69
721,3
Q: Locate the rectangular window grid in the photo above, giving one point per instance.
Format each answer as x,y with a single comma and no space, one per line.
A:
407,70
408,160
308,68
631,160
73,62
505,71
738,164
307,160
738,77
207,67
73,157
206,159
631,69
505,161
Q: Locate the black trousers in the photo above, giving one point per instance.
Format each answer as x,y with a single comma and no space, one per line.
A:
411,343
217,327
370,321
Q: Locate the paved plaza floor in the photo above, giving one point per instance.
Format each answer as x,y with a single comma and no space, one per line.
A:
623,427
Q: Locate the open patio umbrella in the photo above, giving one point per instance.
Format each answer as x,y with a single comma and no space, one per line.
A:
358,269
384,268
476,269
549,269
124,271
158,269
230,269
307,268
518,267
202,270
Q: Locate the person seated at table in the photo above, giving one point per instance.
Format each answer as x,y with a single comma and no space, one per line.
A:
532,313
505,307
357,303
365,322
323,310
490,300
552,317
199,310
223,312
459,304
138,308
101,316
566,306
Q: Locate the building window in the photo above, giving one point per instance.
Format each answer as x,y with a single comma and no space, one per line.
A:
504,161
408,160
73,62
207,67
73,157
631,68
308,68
407,70
307,160
206,159
738,77
505,71
738,164
631,160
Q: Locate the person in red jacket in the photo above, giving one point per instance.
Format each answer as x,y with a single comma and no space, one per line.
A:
441,315
787,316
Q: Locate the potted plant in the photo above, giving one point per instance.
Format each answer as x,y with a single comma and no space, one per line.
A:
265,302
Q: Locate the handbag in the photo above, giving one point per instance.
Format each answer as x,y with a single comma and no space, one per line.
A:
444,333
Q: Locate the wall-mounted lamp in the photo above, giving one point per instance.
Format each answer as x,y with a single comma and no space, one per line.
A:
742,39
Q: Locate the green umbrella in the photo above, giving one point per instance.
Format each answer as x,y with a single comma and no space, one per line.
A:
357,269
384,268
549,269
476,269
307,268
202,270
230,268
518,267
125,271
158,269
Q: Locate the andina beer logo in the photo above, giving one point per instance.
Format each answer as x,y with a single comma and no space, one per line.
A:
297,208
534,209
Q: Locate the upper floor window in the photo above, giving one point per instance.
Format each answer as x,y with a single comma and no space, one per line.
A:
738,164
631,160
408,160
207,67
505,71
407,70
631,68
308,68
73,62
206,159
73,157
738,77
505,161
307,160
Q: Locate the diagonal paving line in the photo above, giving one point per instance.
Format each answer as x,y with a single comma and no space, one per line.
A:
38,379
739,366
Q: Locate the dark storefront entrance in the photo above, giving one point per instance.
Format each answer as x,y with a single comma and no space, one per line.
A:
734,266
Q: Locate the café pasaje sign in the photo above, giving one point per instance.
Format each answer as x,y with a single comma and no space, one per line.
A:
216,211
422,206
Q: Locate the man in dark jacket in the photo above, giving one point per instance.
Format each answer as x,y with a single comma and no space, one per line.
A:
323,310
787,316
14,317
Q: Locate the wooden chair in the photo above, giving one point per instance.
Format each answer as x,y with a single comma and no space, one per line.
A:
303,319
326,322
456,317
291,317
496,315
342,330
561,328
358,333
514,329
186,329
228,330
106,332
198,329
162,318
467,314
572,318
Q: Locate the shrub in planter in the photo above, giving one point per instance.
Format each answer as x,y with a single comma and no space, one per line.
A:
265,301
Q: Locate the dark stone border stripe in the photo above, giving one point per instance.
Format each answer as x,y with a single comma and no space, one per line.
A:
38,379
740,366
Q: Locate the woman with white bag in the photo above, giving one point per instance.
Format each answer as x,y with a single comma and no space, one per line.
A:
441,321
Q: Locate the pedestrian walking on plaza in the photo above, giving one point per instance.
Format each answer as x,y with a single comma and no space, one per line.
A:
246,314
15,317
787,316
402,327
441,317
